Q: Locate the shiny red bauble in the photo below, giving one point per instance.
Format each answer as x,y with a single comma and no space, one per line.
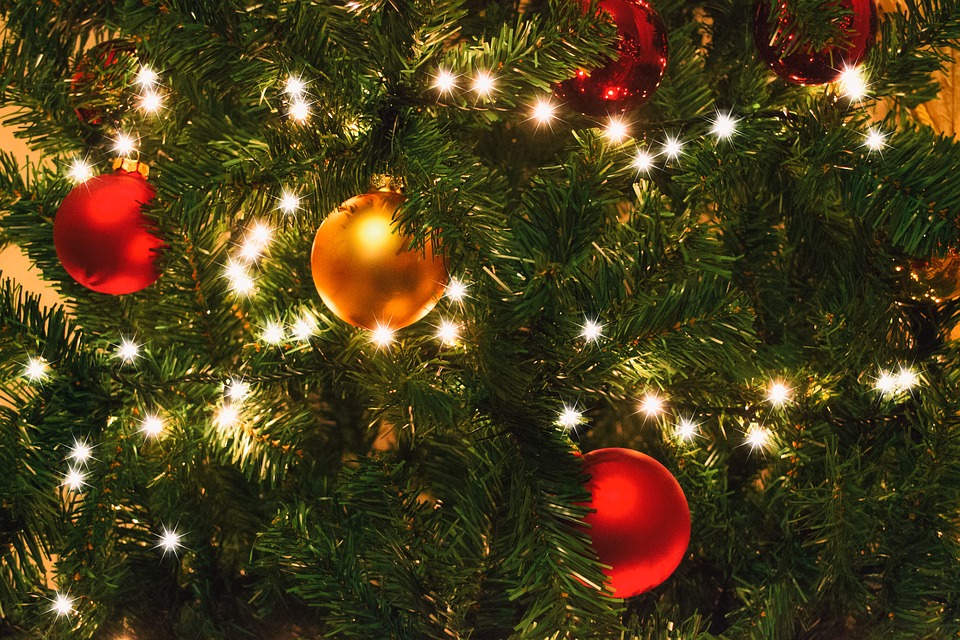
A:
640,525
804,64
629,80
101,236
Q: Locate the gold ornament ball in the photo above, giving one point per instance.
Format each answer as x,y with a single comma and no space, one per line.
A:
938,278
365,270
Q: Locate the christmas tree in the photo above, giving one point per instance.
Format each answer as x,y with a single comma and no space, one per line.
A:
370,309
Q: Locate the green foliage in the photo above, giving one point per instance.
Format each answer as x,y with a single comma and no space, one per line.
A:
425,490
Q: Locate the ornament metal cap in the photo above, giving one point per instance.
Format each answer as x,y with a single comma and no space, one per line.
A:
132,165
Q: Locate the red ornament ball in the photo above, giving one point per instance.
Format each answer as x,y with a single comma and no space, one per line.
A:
631,79
101,236
804,64
640,525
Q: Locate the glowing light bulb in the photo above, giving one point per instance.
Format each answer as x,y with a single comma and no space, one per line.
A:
875,140
569,417
259,234
906,379
724,126
146,77
295,87
123,144
240,281
456,290
448,332
651,405
237,390
151,101
852,83
36,369
257,239
80,452
273,333
444,82
616,130
544,112
74,480
303,328
483,84
778,393
80,171
169,541
643,161
686,429
128,351
381,336
886,383
591,331
152,426
227,416
758,437
672,148
289,202
299,110
62,604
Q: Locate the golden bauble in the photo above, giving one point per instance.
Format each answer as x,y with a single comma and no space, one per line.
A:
365,270
938,278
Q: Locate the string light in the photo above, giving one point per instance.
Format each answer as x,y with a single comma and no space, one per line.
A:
237,390
906,379
74,480
724,126
36,369
80,452
456,290
686,429
651,405
381,336
273,333
146,77
483,84
886,383
875,139
778,393
259,234
227,416
591,331
62,604
758,437
299,110
256,240
151,101
569,417
128,351
672,148
852,84
240,281
294,87
152,426
616,130
304,327
123,144
169,541
444,82
643,161
80,171
289,202
448,332
544,112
